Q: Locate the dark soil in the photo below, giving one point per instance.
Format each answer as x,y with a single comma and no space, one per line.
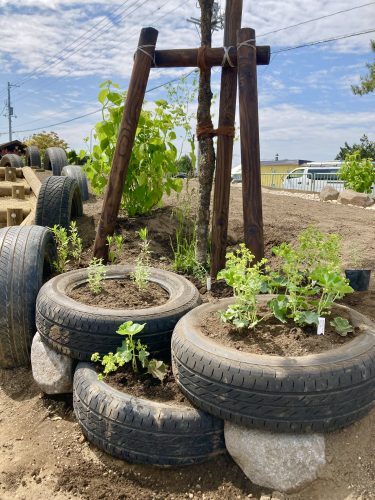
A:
121,294
147,387
275,338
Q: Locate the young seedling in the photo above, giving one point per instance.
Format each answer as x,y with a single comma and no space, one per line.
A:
141,274
342,326
131,351
75,242
96,275
115,246
62,243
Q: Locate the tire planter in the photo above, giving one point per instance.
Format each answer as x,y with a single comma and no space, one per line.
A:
11,160
55,159
314,393
59,201
140,430
76,172
78,330
26,256
33,157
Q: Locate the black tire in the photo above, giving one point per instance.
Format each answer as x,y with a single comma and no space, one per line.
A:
314,393
143,431
78,330
55,159
59,201
11,160
32,156
26,256
76,172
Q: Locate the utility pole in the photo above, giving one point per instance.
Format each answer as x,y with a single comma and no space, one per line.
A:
10,111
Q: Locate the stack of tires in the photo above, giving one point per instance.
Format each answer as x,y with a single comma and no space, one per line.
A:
127,427
26,257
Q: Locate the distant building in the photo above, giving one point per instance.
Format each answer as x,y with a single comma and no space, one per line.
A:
271,171
16,147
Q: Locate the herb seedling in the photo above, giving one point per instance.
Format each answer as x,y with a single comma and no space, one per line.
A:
115,245
62,243
247,281
96,274
131,351
141,274
342,326
75,242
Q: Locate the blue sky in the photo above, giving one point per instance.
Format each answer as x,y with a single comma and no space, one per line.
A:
59,51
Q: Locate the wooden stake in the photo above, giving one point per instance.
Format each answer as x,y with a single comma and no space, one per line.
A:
183,58
14,216
18,191
10,174
250,155
227,113
133,105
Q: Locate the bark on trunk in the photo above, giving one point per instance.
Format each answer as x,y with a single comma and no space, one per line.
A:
206,146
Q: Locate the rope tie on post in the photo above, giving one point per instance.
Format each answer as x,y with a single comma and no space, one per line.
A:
247,43
142,48
205,130
201,58
226,58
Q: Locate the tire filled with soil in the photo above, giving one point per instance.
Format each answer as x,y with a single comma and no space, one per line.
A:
159,431
293,393
77,329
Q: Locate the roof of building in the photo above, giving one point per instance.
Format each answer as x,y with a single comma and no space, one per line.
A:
282,162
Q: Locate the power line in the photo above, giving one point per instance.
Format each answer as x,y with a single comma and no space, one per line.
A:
99,109
126,39
316,19
317,42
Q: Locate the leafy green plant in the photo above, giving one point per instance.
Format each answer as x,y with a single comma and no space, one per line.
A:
141,273
342,326
75,242
96,274
115,247
247,281
131,351
62,243
309,276
357,173
153,161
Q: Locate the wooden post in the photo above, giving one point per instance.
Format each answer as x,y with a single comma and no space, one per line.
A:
18,191
184,58
249,131
14,216
227,113
10,174
132,110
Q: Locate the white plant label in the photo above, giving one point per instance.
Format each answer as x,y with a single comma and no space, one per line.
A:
208,283
321,326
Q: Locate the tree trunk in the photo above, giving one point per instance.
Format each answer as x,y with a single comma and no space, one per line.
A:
206,146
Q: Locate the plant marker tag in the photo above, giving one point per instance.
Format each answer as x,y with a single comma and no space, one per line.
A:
208,283
321,326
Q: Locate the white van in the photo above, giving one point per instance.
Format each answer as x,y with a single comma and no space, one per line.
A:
314,176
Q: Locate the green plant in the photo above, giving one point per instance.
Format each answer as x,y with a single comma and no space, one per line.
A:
62,243
341,325
115,246
141,274
154,154
75,242
358,174
96,274
247,281
309,276
131,351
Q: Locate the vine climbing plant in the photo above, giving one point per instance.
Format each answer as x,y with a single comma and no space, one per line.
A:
153,161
